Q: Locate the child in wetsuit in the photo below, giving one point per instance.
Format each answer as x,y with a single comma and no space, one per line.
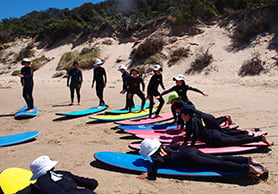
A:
100,78
152,90
74,81
133,85
27,82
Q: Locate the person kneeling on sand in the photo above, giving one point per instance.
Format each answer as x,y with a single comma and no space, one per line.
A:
50,181
190,157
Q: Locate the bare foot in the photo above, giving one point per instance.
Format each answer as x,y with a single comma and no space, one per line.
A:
30,110
269,143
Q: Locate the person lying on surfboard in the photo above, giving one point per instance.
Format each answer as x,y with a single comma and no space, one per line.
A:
189,157
152,90
206,128
50,181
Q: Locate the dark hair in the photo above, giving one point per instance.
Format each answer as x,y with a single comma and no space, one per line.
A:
188,109
75,63
134,70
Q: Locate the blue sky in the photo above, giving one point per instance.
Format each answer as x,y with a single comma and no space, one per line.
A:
18,8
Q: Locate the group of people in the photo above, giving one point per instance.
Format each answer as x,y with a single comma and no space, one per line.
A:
199,126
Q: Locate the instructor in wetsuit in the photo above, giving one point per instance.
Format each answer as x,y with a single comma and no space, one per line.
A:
99,76
74,81
27,82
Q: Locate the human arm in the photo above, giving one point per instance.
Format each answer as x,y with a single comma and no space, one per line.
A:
89,183
197,90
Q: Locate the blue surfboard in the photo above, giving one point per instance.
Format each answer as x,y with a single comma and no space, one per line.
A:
83,112
139,164
17,138
122,111
154,126
23,113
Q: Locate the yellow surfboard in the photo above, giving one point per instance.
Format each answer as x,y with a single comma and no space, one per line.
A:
118,117
13,180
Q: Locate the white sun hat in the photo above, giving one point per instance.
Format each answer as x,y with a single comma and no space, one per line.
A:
122,67
179,77
156,67
148,147
98,62
41,165
26,60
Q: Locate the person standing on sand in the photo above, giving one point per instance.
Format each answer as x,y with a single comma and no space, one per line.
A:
125,77
51,181
152,90
133,83
74,81
26,77
99,76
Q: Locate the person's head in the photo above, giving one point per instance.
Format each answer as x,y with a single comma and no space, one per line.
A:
75,64
26,62
148,147
180,79
122,68
187,112
98,62
41,166
134,73
157,69
172,98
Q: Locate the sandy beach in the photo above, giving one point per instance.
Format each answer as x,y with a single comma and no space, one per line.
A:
251,101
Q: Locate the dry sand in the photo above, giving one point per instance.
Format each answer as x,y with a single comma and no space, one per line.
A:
251,101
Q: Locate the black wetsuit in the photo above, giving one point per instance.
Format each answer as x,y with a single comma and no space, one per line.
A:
207,128
177,117
65,182
182,92
190,157
28,84
133,85
100,78
152,91
125,77
75,79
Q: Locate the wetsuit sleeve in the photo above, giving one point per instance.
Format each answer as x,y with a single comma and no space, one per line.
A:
88,183
80,77
161,83
143,84
105,76
94,76
158,161
195,90
196,125
168,91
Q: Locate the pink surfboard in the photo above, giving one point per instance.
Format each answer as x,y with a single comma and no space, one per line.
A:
162,117
213,150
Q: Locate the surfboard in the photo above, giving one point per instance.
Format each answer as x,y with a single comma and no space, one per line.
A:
14,179
212,150
83,112
139,164
105,117
171,138
152,126
17,138
134,109
162,117
23,113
